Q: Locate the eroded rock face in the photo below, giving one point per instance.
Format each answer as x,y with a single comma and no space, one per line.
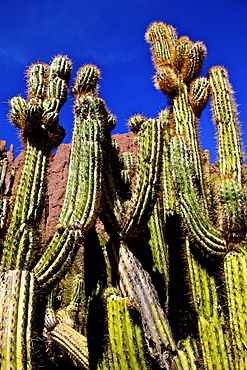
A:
57,177
57,174
125,142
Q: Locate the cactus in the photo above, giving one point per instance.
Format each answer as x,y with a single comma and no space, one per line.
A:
162,285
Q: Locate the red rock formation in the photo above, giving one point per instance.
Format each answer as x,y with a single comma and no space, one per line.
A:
57,177
58,173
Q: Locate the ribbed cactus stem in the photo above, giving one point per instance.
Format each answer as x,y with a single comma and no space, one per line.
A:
236,284
215,341
147,173
86,80
55,259
185,125
225,117
159,247
128,171
193,60
3,170
188,358
37,80
231,213
135,122
17,300
31,118
162,38
72,342
29,199
198,225
182,46
60,67
83,186
124,335
198,94
76,296
83,190
136,283
167,199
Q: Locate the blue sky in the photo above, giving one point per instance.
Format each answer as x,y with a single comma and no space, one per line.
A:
110,34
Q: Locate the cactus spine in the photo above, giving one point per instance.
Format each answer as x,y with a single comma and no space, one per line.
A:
163,285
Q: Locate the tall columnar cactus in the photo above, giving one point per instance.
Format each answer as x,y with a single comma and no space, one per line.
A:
161,284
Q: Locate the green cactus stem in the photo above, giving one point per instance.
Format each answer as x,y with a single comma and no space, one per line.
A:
124,335
136,283
162,38
148,166
5,190
172,78
215,341
235,276
31,118
72,342
231,210
18,304
128,171
167,200
159,248
83,191
163,285
135,122
188,358
198,225
225,117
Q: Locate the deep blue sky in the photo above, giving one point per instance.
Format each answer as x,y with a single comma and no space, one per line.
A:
110,34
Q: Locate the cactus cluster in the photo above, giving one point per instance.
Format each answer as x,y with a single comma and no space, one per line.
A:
162,283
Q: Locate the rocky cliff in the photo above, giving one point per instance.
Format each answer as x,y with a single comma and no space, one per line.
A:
57,175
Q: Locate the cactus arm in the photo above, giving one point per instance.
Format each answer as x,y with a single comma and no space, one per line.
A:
59,326
74,343
149,161
215,341
84,180
162,38
167,199
185,125
225,117
17,307
83,191
188,355
21,210
128,171
235,277
5,190
232,199
135,283
159,248
193,214
73,306
55,259
84,184
3,169
231,210
37,132
124,335
112,206
178,63
192,61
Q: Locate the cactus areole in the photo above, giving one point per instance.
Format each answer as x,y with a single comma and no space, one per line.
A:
162,283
